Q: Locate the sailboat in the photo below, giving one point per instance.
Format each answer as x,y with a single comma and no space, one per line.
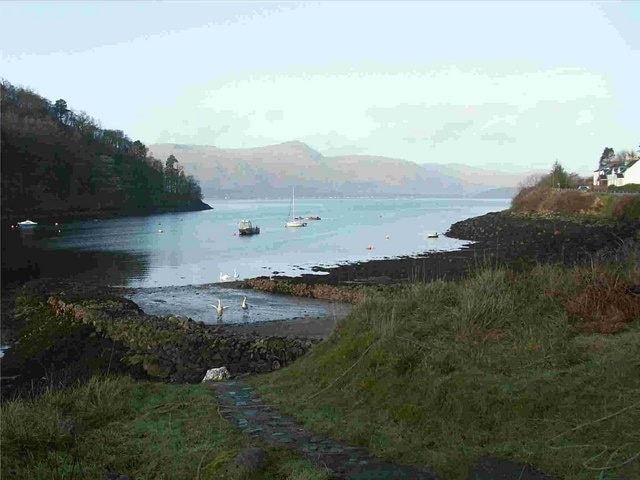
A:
293,221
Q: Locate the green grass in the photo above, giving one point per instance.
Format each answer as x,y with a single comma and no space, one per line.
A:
443,373
141,429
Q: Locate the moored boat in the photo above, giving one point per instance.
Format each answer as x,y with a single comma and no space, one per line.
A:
293,220
246,228
27,224
432,235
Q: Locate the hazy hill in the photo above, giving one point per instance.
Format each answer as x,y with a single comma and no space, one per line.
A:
272,171
502,192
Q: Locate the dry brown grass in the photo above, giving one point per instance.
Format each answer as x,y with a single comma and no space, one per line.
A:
530,199
620,206
604,305
544,199
571,202
623,206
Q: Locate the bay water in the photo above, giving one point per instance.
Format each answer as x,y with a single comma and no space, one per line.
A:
170,263
195,247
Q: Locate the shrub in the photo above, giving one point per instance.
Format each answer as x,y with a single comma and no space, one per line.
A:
571,202
544,199
632,187
627,208
530,199
605,305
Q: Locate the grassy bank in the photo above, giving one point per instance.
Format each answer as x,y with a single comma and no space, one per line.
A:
579,205
139,429
538,368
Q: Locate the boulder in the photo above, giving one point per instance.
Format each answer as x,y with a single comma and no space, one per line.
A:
216,375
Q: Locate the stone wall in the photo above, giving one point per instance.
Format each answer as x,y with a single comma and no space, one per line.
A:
177,349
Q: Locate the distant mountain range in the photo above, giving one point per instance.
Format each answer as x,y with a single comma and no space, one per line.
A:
272,170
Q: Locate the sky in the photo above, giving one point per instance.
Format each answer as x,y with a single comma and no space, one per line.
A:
503,85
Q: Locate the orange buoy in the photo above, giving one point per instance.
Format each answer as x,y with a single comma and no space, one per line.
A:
370,247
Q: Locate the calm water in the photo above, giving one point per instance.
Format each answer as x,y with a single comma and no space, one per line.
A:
193,248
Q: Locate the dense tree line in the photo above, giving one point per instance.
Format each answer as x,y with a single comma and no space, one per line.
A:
56,159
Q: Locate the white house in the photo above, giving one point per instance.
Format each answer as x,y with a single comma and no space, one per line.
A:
632,173
619,174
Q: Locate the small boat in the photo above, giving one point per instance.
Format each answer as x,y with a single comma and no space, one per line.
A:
246,228
27,224
432,235
313,218
293,220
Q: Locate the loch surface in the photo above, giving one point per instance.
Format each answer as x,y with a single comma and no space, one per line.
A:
192,248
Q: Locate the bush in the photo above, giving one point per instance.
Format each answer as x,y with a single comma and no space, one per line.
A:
627,208
571,202
530,199
632,187
544,199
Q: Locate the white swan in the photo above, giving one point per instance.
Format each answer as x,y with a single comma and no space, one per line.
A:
219,309
235,274
245,305
224,277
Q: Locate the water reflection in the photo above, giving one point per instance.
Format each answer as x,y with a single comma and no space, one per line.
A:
24,259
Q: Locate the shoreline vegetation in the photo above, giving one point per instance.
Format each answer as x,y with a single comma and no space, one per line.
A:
522,347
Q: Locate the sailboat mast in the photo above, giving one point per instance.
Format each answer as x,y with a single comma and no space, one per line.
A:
293,203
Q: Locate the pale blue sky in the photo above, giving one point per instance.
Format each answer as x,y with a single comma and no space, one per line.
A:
512,85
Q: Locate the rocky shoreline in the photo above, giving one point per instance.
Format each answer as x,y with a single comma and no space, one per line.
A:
72,335
499,238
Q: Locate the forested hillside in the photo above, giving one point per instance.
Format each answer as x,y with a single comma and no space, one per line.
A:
57,160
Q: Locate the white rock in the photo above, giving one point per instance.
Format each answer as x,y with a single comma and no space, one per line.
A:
216,375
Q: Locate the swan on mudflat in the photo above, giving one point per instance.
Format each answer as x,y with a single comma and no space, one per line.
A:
235,275
245,305
224,277
219,309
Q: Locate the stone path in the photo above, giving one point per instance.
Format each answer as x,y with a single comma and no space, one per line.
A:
241,406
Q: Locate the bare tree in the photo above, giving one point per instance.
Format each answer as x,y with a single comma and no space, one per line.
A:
530,181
